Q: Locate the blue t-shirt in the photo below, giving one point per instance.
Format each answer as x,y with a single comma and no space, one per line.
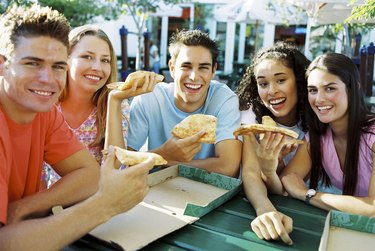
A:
153,116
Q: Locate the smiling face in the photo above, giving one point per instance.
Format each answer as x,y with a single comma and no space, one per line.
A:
327,96
33,77
89,65
192,71
277,89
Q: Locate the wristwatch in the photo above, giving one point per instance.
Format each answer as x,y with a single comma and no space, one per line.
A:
309,194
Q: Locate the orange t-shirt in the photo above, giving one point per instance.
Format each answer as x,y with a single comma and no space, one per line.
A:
23,148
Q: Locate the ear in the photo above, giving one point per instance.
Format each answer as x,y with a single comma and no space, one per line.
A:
171,68
214,68
2,65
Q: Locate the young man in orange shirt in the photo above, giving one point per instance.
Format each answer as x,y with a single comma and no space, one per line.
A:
33,67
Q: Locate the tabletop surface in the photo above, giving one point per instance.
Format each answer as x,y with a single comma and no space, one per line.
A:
228,228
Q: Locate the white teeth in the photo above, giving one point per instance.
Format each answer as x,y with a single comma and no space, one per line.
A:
193,86
43,93
324,107
93,77
276,101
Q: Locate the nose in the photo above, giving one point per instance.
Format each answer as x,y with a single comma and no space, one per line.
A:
273,89
96,65
45,74
193,74
319,97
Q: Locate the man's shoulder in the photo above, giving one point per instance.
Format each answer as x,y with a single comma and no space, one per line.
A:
221,88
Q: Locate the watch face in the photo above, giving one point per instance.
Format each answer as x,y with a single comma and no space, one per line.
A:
310,192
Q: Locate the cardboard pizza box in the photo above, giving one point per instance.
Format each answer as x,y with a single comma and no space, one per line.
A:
179,195
344,231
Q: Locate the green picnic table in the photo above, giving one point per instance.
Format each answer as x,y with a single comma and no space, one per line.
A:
228,228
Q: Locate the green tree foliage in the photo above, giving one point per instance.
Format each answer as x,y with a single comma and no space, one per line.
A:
4,4
362,12
202,13
78,12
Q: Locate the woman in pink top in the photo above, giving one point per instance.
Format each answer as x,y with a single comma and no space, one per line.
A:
86,102
340,147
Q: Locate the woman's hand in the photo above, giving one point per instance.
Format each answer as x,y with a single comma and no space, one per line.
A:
268,151
150,81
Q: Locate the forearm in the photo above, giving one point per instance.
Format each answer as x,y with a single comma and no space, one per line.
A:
345,203
273,183
54,232
256,193
70,189
113,132
217,165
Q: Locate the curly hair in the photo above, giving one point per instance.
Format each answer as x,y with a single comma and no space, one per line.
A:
192,38
31,21
292,58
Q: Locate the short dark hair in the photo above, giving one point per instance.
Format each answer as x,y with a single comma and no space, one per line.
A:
21,21
192,38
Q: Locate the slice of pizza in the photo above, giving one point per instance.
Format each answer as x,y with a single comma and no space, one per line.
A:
268,125
135,76
131,158
195,123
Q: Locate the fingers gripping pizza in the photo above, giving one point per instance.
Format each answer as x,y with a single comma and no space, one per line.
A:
135,76
131,158
195,123
268,125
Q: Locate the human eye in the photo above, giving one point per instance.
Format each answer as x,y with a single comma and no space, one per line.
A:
185,67
312,91
106,60
60,67
31,64
88,57
262,84
204,68
330,89
281,80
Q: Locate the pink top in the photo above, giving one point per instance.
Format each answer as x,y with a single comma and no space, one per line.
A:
86,132
331,162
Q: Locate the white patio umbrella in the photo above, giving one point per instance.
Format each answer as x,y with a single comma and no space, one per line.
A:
249,11
169,10
322,12
329,11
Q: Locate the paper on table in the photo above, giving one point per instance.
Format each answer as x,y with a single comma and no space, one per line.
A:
344,231
161,212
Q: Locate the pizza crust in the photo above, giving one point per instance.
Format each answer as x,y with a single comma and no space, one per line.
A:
131,158
195,123
138,75
270,126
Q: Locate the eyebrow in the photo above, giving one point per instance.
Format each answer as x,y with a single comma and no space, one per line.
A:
91,52
41,60
276,74
201,64
329,84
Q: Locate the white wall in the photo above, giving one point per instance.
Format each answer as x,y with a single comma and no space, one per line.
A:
112,29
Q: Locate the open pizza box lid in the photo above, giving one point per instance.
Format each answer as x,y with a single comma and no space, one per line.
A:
179,195
343,231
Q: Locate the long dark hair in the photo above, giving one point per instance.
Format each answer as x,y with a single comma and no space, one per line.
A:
359,121
292,58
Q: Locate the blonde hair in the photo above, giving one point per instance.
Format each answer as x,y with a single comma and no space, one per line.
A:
100,97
